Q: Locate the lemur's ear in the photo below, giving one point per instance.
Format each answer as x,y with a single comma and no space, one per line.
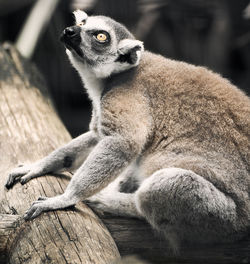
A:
130,51
80,16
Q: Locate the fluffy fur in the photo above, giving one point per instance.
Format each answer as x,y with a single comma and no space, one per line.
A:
171,142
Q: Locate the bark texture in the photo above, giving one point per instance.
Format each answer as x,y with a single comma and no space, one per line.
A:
136,237
29,130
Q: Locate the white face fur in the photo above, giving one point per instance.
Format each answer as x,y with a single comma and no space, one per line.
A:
99,46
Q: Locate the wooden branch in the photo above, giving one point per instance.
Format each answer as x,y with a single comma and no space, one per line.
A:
29,130
133,236
8,224
34,26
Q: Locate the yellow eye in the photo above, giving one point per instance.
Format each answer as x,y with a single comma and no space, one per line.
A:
101,37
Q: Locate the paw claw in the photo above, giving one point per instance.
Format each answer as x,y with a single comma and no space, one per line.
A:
42,198
10,181
15,175
23,181
35,210
8,185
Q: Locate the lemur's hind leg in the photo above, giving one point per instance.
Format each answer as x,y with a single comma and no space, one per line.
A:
176,202
118,197
117,203
181,204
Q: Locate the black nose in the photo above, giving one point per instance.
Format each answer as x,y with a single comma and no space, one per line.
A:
70,32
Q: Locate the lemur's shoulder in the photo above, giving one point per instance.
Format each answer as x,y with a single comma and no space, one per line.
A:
178,77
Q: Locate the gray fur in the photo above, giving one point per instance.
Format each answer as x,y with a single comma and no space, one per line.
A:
168,142
75,151
121,31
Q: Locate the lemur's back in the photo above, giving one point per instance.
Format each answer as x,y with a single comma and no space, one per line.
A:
192,101
197,117
190,106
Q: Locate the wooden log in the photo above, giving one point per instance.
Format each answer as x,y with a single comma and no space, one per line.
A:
136,237
29,130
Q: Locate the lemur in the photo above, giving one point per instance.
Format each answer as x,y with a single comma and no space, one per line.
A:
168,141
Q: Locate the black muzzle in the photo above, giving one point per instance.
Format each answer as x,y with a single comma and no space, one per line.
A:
72,39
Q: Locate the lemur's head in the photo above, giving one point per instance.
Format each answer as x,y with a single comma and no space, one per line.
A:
102,44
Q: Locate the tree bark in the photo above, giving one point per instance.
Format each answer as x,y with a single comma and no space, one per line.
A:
136,237
29,130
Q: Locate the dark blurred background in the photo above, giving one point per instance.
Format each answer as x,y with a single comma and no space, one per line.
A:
213,33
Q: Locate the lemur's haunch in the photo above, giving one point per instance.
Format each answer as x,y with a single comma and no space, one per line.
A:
168,141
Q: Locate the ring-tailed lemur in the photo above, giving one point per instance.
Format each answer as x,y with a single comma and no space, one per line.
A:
168,141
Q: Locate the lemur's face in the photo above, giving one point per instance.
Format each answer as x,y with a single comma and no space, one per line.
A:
101,43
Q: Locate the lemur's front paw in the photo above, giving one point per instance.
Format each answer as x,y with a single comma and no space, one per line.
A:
37,207
44,204
22,174
16,174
